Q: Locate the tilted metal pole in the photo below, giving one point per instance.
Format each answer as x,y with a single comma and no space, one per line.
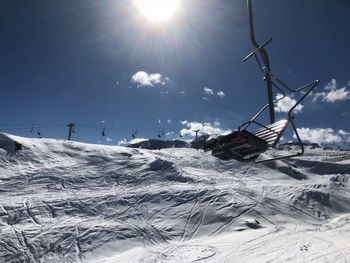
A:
71,129
266,61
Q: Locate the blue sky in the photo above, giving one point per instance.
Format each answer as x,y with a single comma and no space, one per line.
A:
103,63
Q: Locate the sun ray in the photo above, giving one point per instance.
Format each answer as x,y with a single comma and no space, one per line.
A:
158,10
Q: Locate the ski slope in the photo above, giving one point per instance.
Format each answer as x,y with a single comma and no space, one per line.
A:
66,201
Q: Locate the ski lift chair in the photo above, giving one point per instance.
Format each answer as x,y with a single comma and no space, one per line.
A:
134,133
245,145
103,133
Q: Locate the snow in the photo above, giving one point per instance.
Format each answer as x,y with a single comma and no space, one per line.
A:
65,201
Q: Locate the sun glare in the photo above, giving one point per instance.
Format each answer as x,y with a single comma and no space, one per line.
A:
158,10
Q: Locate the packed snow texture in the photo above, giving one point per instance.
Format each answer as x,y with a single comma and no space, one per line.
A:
65,201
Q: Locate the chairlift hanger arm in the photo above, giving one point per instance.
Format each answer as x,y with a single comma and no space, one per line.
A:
244,145
265,58
298,89
246,124
312,85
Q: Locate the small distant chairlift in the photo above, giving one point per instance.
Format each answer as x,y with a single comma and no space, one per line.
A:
245,144
103,133
161,134
134,133
39,133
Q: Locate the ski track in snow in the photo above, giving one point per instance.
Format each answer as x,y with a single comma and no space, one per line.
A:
73,202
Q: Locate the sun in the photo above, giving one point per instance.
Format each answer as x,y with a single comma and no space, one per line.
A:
158,10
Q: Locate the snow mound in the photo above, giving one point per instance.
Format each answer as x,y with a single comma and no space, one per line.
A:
8,144
64,201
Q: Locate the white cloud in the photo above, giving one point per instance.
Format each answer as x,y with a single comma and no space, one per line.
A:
182,92
286,104
125,142
331,93
221,94
342,132
168,121
337,95
143,79
159,121
323,135
109,139
332,85
205,99
204,128
208,91
183,122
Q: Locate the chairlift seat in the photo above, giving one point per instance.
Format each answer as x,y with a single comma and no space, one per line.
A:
246,146
273,132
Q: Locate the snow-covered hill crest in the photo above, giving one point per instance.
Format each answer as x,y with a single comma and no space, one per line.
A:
65,201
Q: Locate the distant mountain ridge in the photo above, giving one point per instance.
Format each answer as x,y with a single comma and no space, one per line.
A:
153,144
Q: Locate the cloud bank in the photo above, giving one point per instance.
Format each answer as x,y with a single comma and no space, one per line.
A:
323,135
205,128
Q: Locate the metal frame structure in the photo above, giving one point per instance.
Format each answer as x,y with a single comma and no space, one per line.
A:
290,118
265,58
262,59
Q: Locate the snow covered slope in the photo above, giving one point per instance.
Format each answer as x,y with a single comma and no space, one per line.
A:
72,202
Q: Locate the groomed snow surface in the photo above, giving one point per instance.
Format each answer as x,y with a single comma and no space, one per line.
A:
72,202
